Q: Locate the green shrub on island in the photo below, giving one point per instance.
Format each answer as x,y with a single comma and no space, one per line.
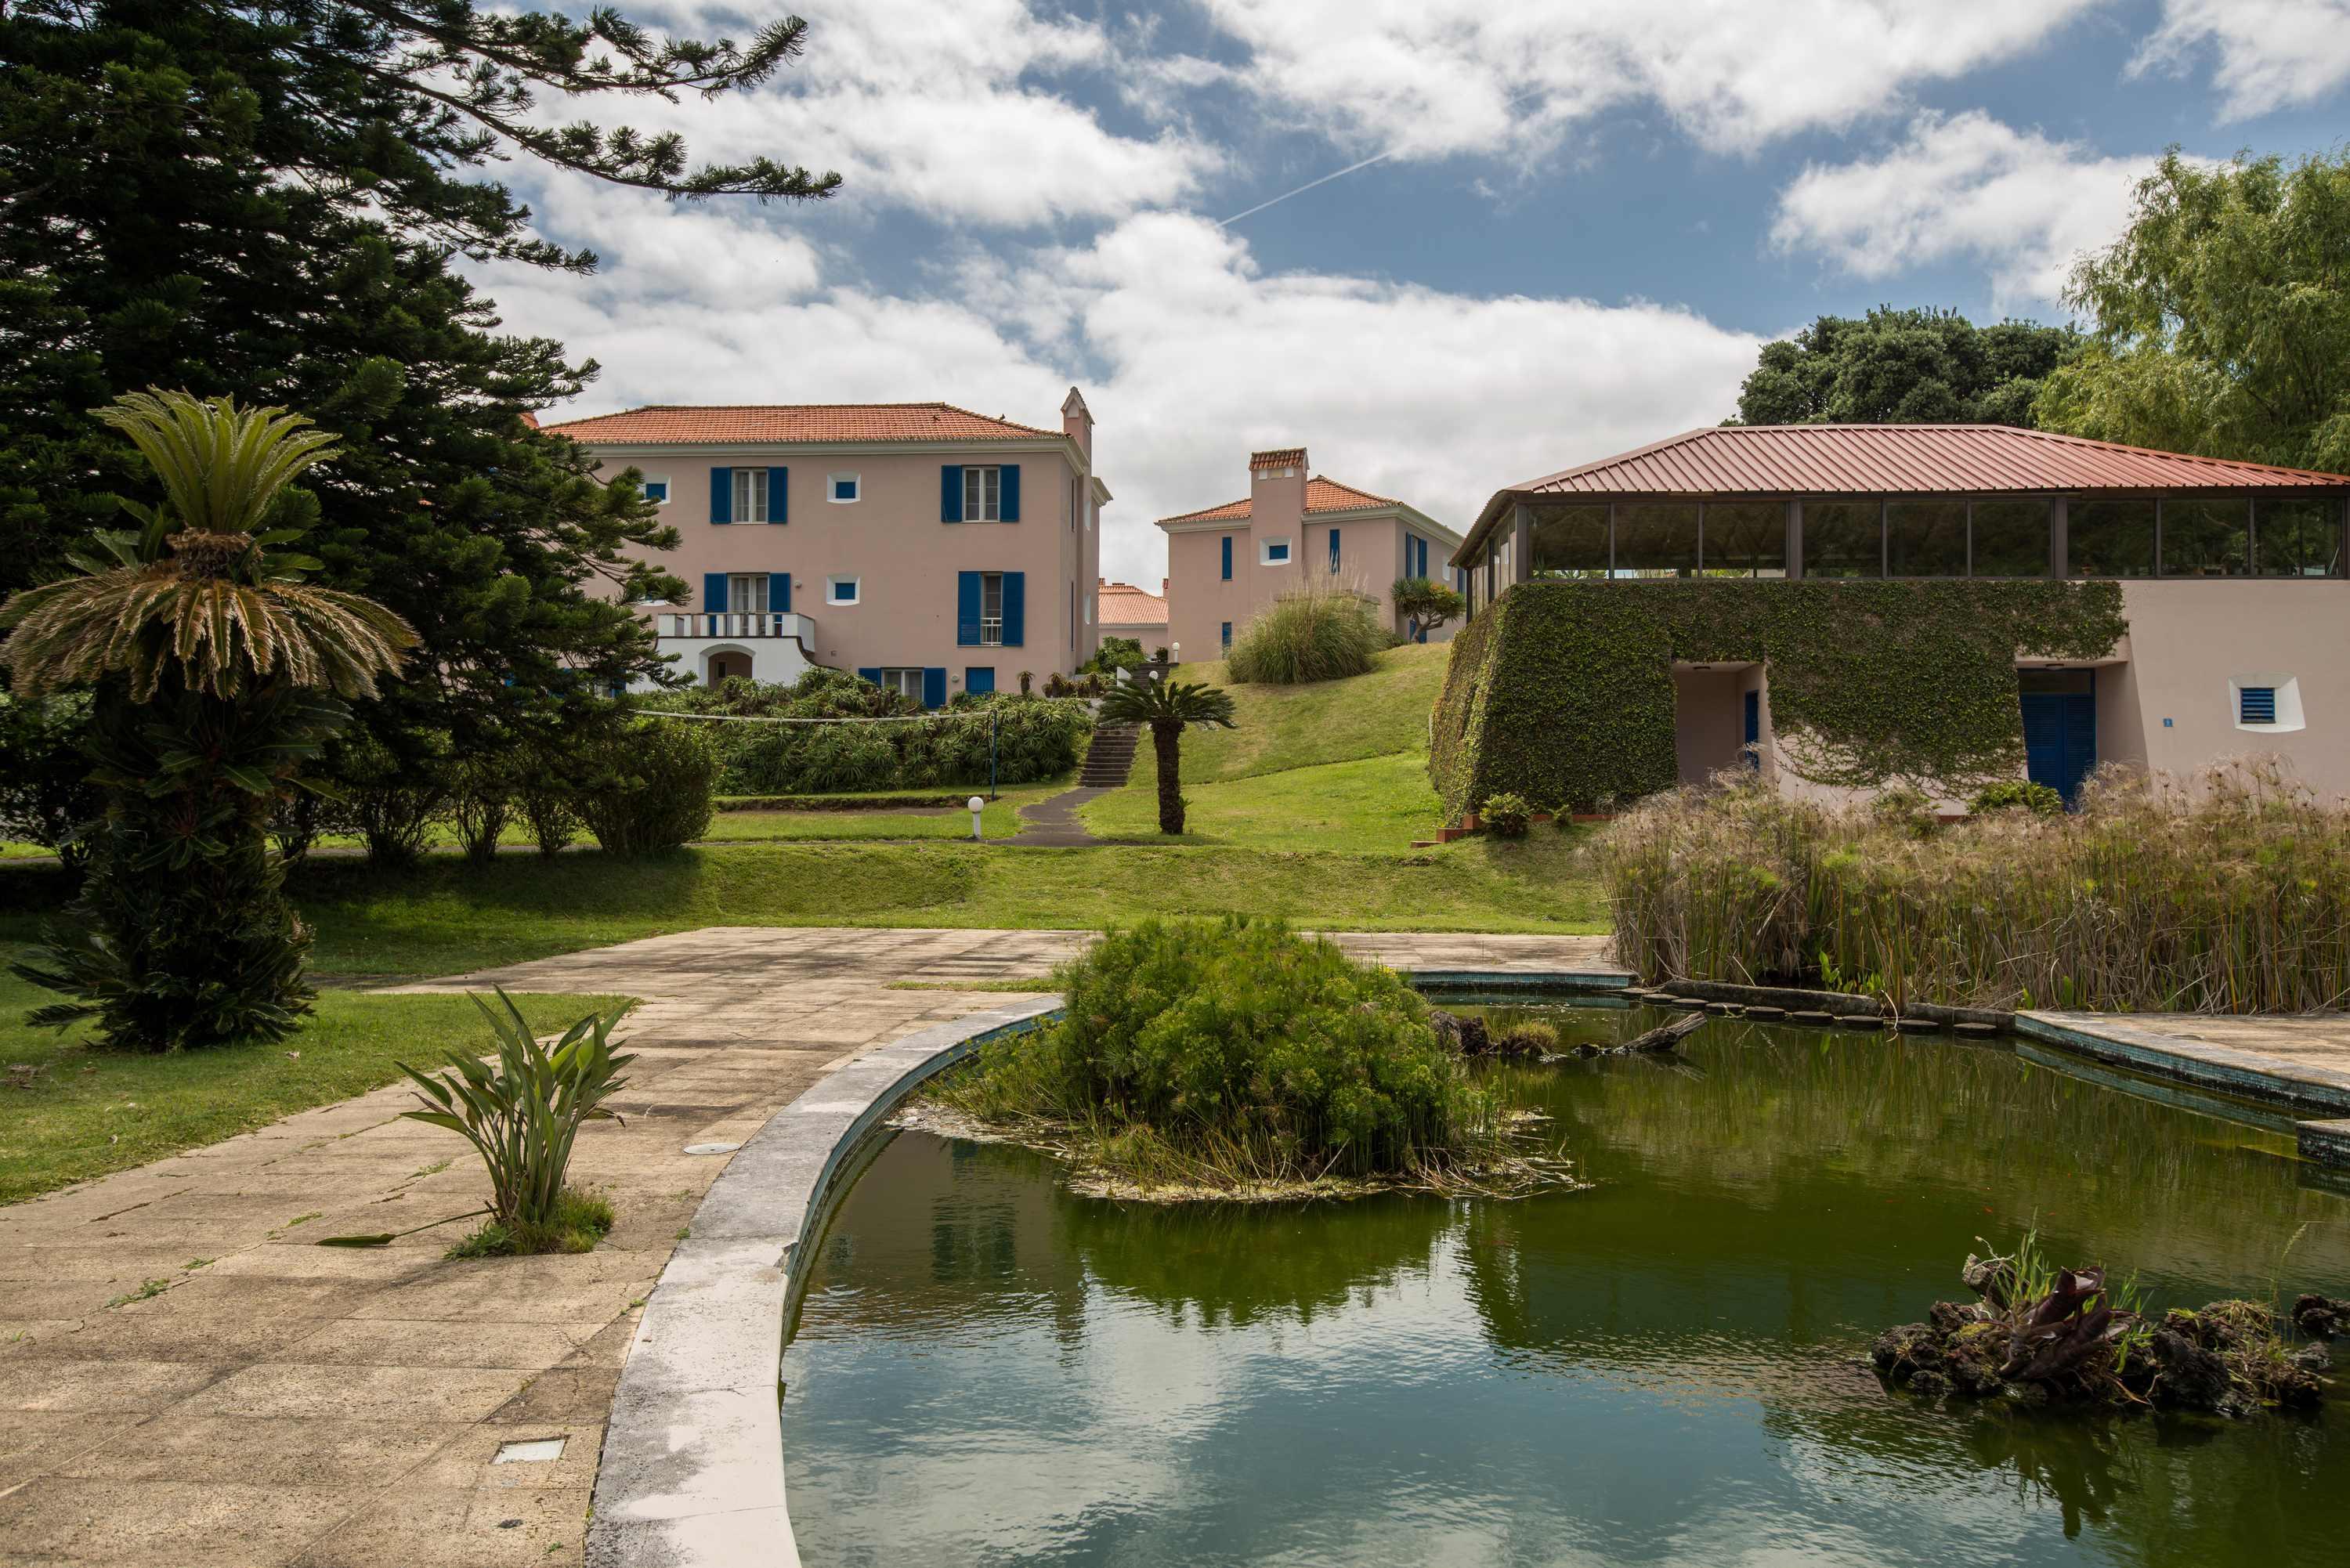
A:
1312,634
1236,1055
2229,892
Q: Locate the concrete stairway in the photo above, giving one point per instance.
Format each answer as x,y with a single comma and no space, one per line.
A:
1110,757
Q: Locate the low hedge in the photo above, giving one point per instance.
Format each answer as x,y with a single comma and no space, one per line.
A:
1563,691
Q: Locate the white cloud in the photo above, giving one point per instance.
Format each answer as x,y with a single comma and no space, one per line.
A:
2272,53
1436,77
942,108
1962,186
1188,354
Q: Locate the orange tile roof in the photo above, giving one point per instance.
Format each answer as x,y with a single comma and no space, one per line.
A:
667,424
1123,604
1279,457
1321,495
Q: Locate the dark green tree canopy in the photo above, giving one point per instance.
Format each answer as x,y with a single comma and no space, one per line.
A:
2222,316
264,201
1904,367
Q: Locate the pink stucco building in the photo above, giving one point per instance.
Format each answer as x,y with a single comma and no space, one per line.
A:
2232,576
1291,531
929,548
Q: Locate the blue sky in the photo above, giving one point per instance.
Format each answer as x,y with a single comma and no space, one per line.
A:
1583,219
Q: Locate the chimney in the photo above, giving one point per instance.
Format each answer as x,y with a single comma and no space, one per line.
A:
1277,498
1078,423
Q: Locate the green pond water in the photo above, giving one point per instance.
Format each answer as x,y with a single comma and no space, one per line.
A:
1664,1368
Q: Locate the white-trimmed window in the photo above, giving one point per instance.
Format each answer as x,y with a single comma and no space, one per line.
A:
751,495
841,591
843,489
904,682
656,489
982,493
746,592
1272,553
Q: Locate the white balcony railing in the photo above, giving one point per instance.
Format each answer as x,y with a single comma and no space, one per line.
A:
671,623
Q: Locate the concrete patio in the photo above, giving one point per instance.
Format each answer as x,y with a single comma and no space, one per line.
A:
189,1380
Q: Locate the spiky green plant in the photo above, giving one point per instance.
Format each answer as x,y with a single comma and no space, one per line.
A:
522,1115
217,671
1169,707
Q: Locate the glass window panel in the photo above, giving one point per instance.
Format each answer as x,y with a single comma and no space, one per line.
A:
1656,541
2011,538
2110,538
2298,538
1925,538
1843,539
1568,541
2206,537
1746,539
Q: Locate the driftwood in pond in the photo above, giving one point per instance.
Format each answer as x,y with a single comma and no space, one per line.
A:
1538,1040
1667,1038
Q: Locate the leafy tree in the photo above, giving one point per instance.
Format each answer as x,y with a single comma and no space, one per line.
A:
1426,605
1169,707
1904,367
1114,654
45,796
217,671
265,199
2222,316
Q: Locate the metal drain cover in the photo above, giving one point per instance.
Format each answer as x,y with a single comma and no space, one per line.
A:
712,1148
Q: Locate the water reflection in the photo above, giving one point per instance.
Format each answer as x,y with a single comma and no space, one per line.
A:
1662,1369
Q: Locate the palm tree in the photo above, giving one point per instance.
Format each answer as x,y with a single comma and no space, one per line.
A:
217,673
1169,706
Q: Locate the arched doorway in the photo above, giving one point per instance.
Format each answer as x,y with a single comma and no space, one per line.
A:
725,664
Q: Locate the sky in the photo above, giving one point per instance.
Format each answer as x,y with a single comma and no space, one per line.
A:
1564,229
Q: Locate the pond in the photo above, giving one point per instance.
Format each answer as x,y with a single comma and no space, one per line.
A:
1664,1368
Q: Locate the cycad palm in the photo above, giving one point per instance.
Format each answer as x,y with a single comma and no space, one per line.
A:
217,671
1169,706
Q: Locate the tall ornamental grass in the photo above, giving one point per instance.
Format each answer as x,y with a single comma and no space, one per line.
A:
1310,634
2226,893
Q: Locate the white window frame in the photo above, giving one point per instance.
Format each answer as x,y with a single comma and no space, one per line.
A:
1265,547
833,594
990,627
832,484
905,680
736,591
752,503
982,493
667,490
2289,716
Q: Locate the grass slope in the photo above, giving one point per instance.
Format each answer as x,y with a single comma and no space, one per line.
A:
86,1113
1380,714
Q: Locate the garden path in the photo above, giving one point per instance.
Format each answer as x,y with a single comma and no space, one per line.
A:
187,1379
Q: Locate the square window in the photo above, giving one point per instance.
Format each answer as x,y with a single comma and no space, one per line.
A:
2298,537
746,592
1844,539
2111,538
2206,537
2009,538
1745,538
1925,538
657,490
906,683
842,590
843,488
1567,542
982,494
1274,553
2256,705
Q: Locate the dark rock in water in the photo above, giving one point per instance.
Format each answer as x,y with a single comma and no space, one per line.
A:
1901,1353
2191,1377
1859,1020
2321,1317
1811,1019
1586,1048
1949,1317
1976,1355
1762,1015
1993,1279
1466,1036
1929,1382
1975,1030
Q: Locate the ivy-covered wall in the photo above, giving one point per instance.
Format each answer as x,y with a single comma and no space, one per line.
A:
1563,691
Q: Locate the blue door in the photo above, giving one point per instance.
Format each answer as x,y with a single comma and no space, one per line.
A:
1754,729
2060,740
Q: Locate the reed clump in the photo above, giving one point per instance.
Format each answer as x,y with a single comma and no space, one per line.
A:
1312,633
2226,892
1239,1059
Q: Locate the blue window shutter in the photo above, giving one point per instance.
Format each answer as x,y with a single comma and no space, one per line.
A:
872,674
1228,557
1009,496
934,687
779,593
966,609
722,495
1016,608
779,497
951,492
714,592
1333,549
979,678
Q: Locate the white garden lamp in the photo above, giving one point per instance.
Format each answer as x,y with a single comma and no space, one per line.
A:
976,804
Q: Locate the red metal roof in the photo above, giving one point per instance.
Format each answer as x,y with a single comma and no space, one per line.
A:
1321,495
1971,460
783,423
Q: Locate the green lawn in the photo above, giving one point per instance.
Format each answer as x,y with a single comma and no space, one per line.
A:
1366,806
86,1113
1379,714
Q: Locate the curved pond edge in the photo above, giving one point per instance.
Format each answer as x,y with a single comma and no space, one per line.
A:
693,1468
